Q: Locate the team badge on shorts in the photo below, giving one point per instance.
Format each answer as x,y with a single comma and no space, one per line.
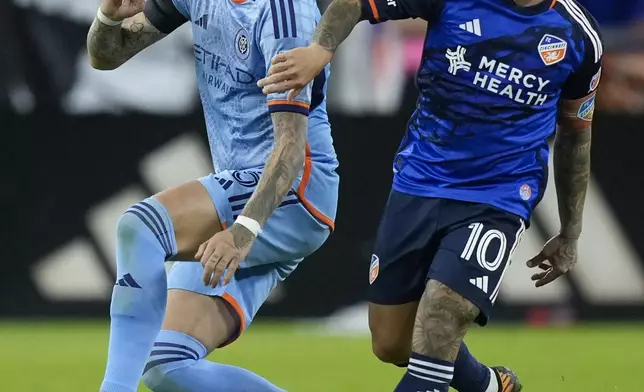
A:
594,83
552,49
374,269
587,109
525,192
242,45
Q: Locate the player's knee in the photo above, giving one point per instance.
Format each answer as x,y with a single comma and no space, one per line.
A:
146,223
390,351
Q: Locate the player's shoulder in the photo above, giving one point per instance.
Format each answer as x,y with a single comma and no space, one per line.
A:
585,25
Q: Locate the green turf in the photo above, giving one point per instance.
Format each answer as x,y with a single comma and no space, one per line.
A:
70,356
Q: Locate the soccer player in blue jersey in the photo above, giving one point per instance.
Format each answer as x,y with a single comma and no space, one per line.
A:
496,77
270,202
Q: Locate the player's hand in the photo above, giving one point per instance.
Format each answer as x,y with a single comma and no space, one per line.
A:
291,71
558,256
223,252
121,9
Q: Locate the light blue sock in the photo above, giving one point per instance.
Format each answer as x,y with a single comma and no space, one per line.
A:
145,240
176,364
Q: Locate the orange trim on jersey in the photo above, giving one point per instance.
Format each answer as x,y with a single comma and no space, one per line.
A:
554,2
242,319
301,191
287,102
238,1
224,226
374,10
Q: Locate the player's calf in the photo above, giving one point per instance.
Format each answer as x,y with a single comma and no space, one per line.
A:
442,321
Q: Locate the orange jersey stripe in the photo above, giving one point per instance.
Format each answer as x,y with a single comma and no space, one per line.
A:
306,176
374,10
554,2
286,102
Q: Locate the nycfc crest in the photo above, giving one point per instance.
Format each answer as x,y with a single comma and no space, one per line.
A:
242,45
552,49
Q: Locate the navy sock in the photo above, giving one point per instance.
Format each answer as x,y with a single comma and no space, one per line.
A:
426,374
469,374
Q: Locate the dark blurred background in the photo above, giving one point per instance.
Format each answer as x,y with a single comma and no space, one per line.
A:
80,146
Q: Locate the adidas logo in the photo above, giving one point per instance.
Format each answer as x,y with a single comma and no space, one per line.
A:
202,22
473,26
481,283
127,281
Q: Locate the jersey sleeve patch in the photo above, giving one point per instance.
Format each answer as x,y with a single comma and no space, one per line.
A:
587,109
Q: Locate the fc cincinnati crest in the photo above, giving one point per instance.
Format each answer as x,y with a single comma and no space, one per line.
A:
242,45
552,49
374,268
594,83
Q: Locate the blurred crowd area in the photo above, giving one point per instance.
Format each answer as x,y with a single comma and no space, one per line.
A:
43,64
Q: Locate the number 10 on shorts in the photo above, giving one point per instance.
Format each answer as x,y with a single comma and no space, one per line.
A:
479,243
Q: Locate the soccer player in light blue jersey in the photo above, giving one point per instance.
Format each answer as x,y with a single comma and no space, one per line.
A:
270,202
497,77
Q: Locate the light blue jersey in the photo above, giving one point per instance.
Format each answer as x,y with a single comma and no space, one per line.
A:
235,41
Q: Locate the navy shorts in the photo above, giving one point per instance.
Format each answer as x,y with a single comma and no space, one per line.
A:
466,246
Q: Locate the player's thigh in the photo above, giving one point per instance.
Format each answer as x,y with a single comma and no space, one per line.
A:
404,248
218,316
391,331
194,216
475,252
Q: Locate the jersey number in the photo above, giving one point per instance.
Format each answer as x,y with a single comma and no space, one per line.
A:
481,243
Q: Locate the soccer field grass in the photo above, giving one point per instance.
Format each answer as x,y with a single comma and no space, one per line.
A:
70,357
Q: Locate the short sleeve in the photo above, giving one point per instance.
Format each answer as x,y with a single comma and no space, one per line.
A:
585,79
166,15
286,25
377,11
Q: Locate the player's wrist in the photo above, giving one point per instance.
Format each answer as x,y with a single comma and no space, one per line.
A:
106,18
249,223
324,53
571,235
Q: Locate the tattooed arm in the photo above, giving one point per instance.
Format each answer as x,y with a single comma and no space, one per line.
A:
296,68
572,171
281,170
142,24
111,46
338,21
572,167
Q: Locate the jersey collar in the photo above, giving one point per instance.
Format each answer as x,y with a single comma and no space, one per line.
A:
544,6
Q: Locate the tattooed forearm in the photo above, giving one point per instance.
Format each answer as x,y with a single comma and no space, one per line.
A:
280,172
111,46
337,22
572,171
442,320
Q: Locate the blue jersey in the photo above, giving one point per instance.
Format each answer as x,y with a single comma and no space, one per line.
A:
490,80
234,43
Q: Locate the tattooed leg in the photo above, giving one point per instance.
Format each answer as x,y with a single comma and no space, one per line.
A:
442,321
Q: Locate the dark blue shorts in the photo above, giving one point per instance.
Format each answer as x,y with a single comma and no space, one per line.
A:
466,246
